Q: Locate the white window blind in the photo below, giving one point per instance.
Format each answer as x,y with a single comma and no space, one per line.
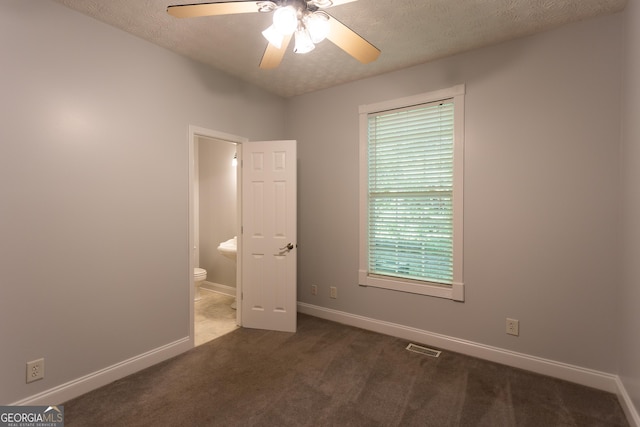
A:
410,192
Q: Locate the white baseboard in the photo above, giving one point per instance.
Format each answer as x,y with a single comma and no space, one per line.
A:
79,386
627,405
576,374
217,287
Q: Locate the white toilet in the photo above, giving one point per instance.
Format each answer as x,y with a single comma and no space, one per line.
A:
199,276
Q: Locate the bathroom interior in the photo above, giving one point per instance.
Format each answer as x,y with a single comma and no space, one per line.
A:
215,228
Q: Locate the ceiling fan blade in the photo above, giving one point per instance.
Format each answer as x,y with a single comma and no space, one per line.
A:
349,41
210,9
273,56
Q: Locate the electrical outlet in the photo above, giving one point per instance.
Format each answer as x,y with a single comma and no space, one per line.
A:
35,370
314,289
513,327
333,292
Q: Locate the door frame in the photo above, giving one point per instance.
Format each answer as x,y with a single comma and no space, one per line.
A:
194,133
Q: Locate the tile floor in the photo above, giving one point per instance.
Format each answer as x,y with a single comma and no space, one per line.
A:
213,316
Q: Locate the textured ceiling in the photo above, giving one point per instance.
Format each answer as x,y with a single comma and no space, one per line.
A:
408,32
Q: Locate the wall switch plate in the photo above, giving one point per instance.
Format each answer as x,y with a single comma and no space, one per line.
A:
314,289
35,370
513,327
333,292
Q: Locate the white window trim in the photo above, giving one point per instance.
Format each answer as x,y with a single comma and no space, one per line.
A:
456,290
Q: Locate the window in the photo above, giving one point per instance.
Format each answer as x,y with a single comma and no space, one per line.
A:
411,194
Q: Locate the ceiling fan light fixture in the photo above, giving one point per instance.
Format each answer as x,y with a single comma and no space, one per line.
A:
273,36
303,41
317,23
285,20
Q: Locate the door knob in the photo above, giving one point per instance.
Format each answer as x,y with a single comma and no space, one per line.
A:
288,247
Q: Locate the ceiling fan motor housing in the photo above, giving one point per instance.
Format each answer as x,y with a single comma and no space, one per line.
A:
299,5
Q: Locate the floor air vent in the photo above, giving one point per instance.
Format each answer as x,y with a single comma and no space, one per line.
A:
423,350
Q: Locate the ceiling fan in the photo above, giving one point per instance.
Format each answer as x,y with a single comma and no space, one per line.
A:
304,18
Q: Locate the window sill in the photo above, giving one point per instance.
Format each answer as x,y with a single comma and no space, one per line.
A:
454,292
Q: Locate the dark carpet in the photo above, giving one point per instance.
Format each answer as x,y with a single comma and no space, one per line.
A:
328,374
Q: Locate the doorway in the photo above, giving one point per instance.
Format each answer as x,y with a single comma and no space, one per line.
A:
213,219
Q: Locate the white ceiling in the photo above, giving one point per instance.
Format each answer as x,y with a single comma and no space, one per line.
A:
408,32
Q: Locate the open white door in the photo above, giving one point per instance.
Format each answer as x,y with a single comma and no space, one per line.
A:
269,235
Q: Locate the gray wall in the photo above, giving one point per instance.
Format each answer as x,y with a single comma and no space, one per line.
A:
541,201
94,189
629,350
218,208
